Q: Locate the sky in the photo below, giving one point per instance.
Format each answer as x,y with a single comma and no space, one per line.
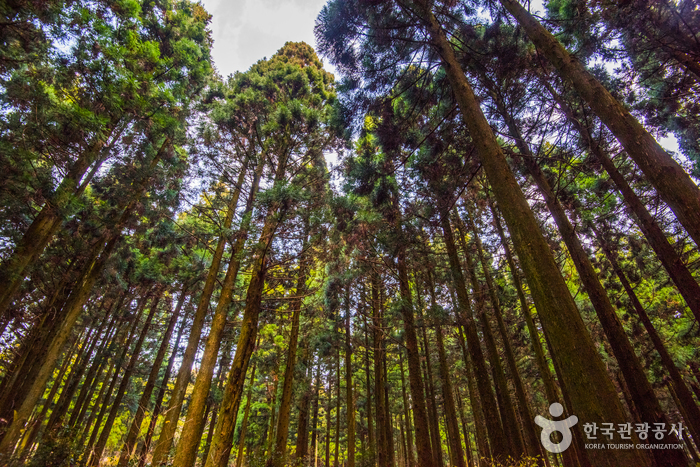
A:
246,31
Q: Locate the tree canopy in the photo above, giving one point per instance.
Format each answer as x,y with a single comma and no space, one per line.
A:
499,249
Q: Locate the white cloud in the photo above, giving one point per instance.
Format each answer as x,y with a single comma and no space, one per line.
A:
246,31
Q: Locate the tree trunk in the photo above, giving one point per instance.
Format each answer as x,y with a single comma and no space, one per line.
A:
532,443
409,435
165,440
337,411
103,398
482,440
280,447
640,389
593,395
681,389
456,452
371,454
378,373
100,356
43,227
390,428
314,422
161,394
224,431
246,414
465,429
500,447
302,444
550,386
669,258
420,419
327,458
73,308
350,403
116,404
431,400
144,402
673,184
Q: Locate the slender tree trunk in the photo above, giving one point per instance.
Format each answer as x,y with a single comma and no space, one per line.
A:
409,435
532,443
327,458
100,356
389,426
548,381
165,440
500,447
161,394
482,441
593,395
640,389
302,443
371,454
337,410
378,338
420,419
104,397
669,258
223,434
431,400
280,447
673,184
456,452
246,414
680,388
116,404
350,402
465,429
44,226
72,310
316,408
144,402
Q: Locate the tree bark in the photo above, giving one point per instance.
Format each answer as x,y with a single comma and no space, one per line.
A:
378,337
673,184
44,227
680,388
483,449
669,258
409,435
224,431
548,381
350,402
640,389
161,394
280,447
500,447
246,414
165,440
420,419
532,443
592,392
144,402
116,403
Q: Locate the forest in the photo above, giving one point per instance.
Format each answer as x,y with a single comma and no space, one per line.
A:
467,247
